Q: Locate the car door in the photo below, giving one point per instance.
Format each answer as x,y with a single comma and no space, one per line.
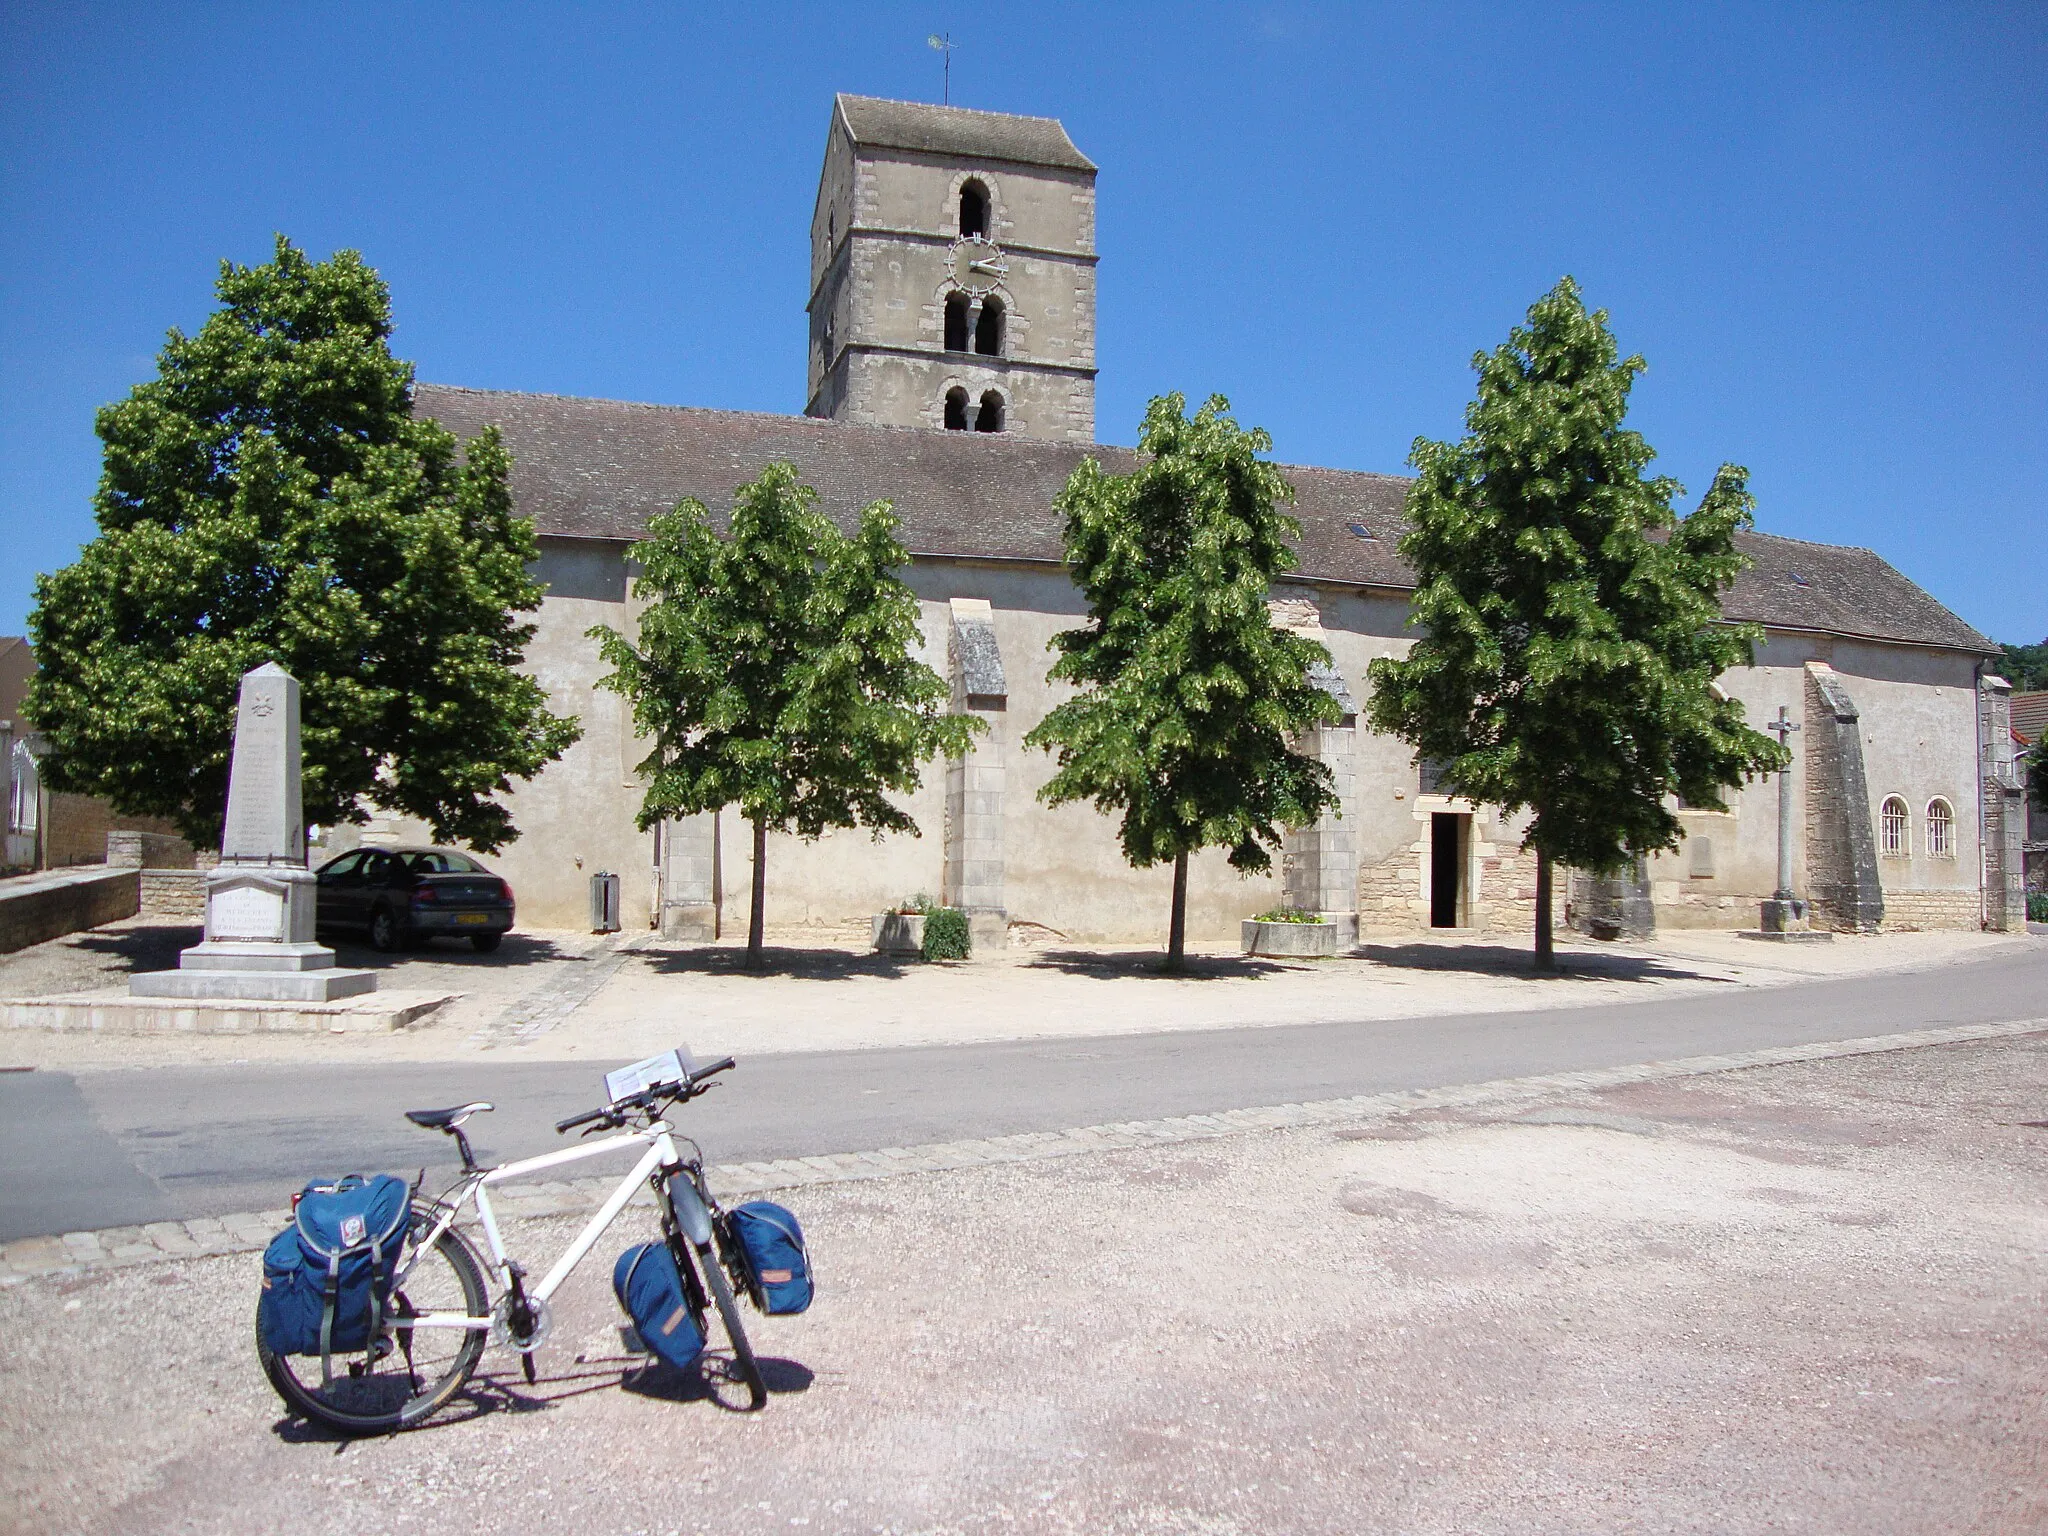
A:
380,869
336,885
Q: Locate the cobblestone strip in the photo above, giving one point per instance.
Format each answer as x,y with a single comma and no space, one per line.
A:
73,1253
574,984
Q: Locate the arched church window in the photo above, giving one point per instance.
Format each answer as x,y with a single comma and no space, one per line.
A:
1941,829
990,417
956,322
1892,836
956,409
988,330
973,210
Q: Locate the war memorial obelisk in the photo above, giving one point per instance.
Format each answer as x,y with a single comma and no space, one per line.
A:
259,943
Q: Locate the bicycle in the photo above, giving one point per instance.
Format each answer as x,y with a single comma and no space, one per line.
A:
439,1292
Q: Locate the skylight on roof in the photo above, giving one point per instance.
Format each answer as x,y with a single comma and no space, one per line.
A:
1799,580
1364,532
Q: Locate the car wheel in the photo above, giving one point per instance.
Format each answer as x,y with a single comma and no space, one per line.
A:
385,933
486,942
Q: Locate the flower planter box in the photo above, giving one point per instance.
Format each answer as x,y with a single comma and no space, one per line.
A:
1335,934
899,933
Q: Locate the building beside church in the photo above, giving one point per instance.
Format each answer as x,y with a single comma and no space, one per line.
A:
951,370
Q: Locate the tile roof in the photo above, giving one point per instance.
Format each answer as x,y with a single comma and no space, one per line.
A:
2029,716
918,125
601,468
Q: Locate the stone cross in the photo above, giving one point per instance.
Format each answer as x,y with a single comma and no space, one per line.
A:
265,824
1783,727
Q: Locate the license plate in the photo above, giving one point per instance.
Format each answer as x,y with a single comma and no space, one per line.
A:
472,917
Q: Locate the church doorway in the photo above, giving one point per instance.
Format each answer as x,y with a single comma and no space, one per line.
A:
1449,838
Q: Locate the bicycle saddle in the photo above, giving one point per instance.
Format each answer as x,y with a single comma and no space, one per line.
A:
444,1119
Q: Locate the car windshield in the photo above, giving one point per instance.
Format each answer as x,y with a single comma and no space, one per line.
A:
438,863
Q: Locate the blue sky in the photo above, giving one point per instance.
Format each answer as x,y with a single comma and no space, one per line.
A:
1823,225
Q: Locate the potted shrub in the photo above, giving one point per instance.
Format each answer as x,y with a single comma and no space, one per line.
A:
1287,931
900,930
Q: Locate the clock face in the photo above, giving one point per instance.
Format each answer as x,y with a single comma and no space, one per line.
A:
978,264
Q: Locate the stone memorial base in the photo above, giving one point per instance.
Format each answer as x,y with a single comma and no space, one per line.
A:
112,1013
255,971
1784,922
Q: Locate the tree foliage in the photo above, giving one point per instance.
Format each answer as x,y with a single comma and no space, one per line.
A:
2025,666
270,497
1570,621
776,670
1189,692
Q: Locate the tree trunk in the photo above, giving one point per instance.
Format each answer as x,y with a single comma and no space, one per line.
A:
1546,955
756,919
1177,933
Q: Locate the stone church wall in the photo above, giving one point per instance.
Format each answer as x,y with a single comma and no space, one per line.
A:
1062,868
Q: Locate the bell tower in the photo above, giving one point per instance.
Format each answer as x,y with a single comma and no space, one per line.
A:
953,273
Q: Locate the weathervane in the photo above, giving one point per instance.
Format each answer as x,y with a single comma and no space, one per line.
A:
944,43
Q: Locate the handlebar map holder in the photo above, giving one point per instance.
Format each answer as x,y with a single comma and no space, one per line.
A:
675,1067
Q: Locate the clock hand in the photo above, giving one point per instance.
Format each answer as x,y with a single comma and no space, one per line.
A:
984,266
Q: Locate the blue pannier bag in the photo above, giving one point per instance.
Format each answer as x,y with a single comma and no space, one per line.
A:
778,1267
327,1276
651,1290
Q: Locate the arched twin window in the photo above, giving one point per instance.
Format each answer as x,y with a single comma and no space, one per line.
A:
987,327
987,417
1894,839
1941,829
973,209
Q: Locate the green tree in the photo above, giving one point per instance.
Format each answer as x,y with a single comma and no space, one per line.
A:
269,496
1188,691
776,670
2025,666
1570,621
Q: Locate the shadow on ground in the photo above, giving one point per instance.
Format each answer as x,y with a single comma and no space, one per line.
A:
1519,960
777,962
151,947
515,950
1151,962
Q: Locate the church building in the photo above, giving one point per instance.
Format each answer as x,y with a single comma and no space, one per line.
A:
951,371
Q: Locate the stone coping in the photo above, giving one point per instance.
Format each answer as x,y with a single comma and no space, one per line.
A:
73,1253
14,886
117,1013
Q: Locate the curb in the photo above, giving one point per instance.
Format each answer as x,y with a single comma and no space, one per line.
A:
75,1253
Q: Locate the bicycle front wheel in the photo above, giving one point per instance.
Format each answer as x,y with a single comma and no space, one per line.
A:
735,1330
407,1373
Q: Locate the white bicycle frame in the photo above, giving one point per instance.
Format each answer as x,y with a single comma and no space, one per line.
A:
658,1139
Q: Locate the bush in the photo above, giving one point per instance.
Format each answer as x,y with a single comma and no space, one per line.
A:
1287,915
2037,906
945,934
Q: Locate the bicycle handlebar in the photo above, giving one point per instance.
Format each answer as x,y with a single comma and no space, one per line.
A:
615,1113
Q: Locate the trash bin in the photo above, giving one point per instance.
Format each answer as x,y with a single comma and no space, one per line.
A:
604,902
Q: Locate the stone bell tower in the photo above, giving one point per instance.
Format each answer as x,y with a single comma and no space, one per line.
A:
953,273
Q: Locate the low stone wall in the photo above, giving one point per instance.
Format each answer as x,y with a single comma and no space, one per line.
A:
1916,911
34,908
173,893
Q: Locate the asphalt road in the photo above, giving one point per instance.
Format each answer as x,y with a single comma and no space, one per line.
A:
112,1147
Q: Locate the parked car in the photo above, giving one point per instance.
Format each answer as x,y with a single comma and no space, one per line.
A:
399,896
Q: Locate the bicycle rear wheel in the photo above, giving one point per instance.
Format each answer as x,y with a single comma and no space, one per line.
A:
410,1372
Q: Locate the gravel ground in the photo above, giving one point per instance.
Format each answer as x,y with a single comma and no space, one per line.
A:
1792,1298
